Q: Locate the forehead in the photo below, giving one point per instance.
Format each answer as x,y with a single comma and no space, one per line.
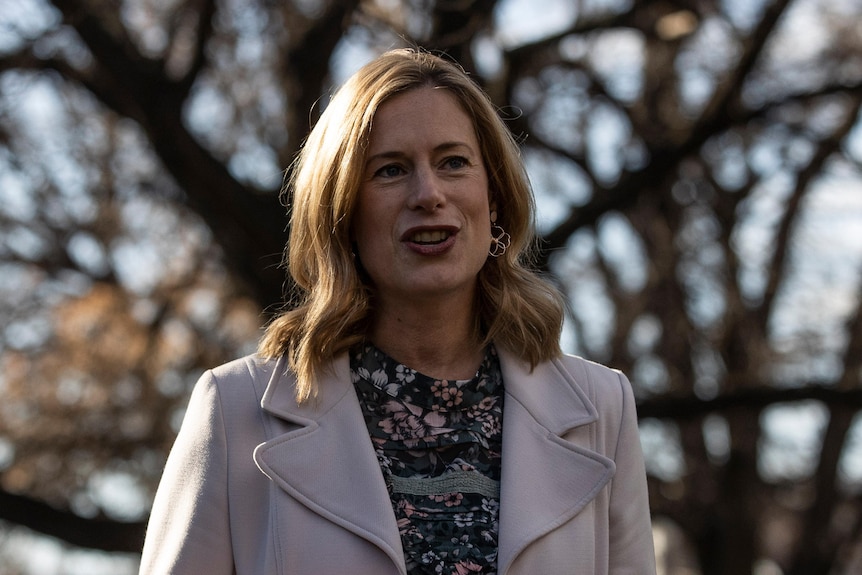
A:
421,113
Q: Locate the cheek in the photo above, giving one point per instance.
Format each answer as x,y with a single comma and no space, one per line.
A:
482,213
363,234
371,233
482,218
361,225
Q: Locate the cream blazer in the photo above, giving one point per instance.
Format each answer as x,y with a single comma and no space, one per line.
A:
258,485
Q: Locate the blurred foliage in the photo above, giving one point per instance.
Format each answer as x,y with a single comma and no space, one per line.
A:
698,168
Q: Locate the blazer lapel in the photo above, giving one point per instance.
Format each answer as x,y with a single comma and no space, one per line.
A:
327,462
546,480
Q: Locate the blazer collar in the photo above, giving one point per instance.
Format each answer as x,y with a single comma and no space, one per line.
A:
546,480
549,392
326,460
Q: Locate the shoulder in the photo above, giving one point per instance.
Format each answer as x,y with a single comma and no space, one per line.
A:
251,366
226,404
243,380
608,389
567,391
593,376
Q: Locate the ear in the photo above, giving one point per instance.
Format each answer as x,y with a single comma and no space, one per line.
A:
493,213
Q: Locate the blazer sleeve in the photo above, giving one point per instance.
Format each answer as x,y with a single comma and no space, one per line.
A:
631,543
188,530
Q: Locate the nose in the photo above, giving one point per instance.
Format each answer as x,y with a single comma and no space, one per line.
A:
426,190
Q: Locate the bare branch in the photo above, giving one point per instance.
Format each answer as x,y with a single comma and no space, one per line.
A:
94,533
752,395
825,150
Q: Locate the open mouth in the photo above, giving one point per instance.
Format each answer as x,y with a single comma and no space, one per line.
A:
429,237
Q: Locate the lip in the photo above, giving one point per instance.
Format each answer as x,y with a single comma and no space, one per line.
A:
431,232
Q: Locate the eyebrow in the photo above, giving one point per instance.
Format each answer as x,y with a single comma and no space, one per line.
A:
443,147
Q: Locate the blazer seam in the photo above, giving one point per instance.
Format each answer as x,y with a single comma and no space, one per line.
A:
619,430
266,425
227,455
593,395
624,399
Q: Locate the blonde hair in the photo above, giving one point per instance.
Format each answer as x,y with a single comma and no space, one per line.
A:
333,302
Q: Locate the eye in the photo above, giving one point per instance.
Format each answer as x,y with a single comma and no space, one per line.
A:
389,171
455,162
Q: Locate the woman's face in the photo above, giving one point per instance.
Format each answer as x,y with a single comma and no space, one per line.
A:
422,223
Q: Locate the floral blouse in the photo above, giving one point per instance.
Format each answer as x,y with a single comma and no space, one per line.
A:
438,443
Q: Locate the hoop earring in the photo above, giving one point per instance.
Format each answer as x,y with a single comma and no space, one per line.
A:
500,240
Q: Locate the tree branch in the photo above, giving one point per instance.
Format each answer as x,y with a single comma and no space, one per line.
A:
748,395
717,117
99,533
248,226
812,171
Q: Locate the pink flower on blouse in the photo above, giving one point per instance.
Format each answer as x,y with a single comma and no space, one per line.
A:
450,394
406,507
409,423
467,567
448,499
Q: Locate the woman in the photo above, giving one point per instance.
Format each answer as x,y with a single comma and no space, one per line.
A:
413,412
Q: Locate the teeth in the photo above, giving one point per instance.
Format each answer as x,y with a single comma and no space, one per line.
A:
431,237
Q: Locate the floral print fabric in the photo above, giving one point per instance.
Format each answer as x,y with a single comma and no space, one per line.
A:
439,445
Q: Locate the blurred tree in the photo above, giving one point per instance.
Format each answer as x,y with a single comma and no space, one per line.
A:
698,165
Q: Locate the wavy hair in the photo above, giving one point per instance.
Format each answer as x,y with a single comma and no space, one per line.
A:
333,302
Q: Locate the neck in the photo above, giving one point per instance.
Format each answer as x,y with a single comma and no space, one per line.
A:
438,341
